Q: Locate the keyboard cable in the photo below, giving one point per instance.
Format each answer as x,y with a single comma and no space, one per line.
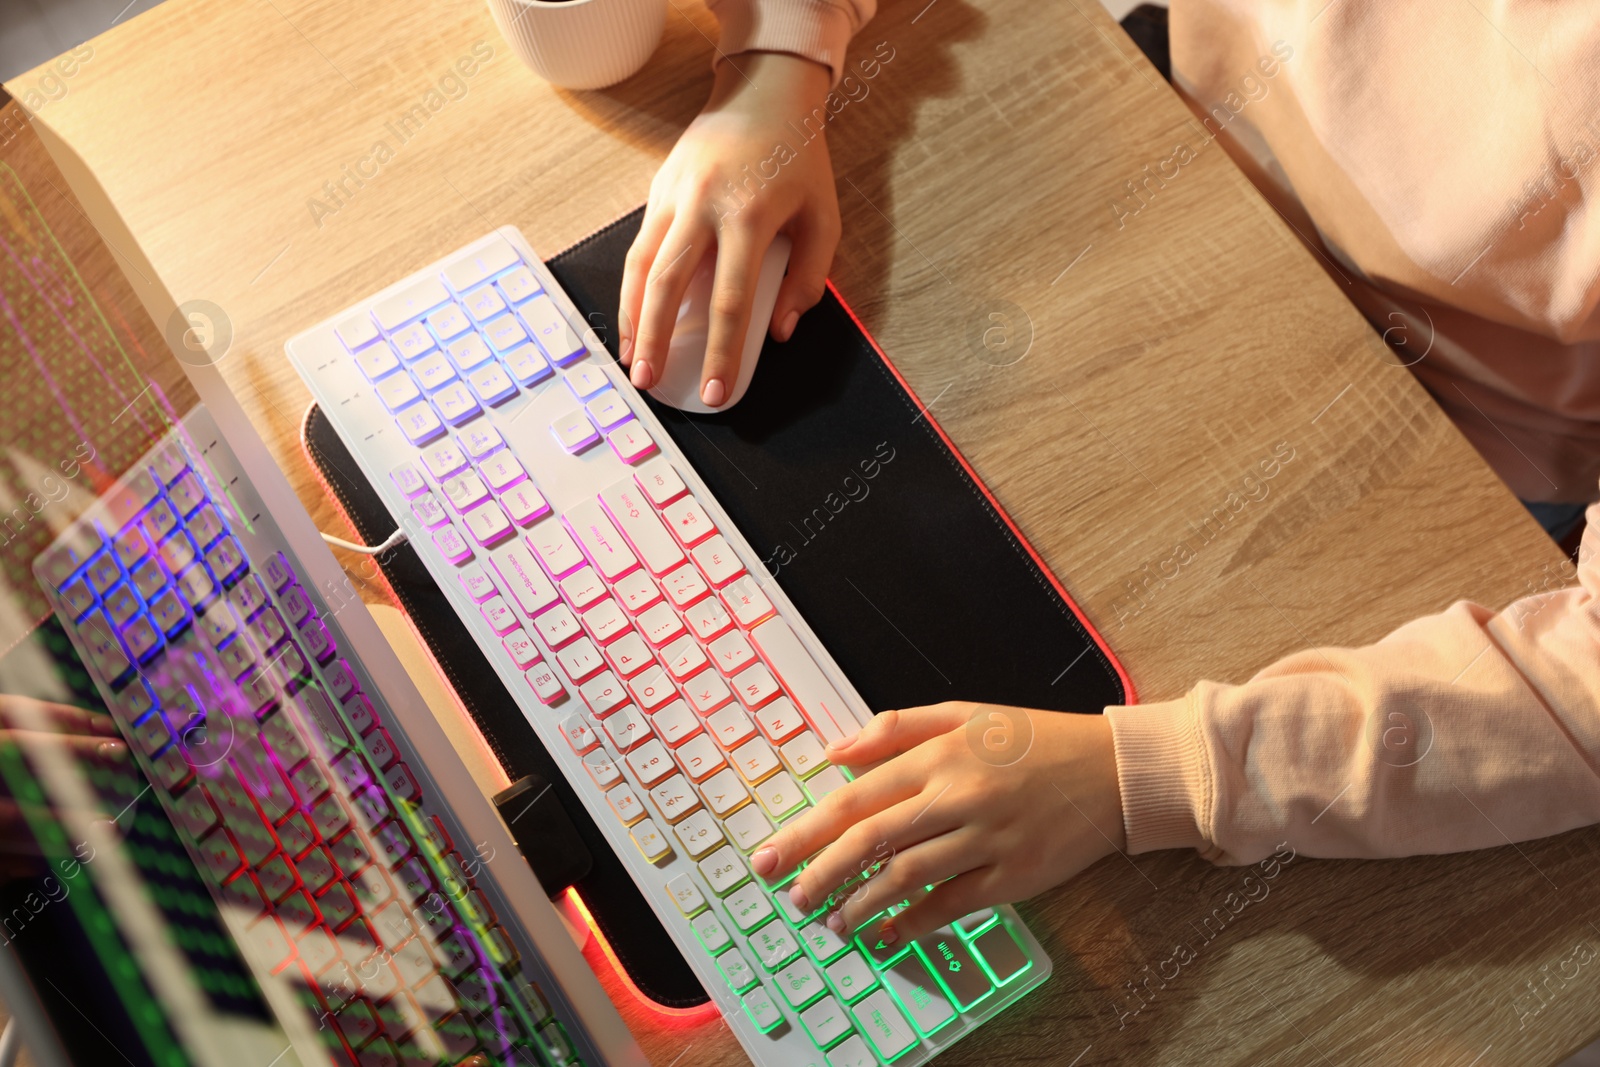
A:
394,540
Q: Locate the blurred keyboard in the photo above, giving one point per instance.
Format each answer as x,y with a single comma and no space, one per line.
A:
272,758
674,683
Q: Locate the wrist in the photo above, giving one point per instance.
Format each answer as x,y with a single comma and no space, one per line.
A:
791,83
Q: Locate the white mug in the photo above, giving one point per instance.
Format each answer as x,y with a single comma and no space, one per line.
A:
581,44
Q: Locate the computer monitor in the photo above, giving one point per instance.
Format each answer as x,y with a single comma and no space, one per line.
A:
230,828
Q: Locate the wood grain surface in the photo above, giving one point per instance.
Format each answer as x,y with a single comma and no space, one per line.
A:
1115,377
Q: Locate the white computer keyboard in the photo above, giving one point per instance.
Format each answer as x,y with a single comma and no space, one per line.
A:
673,682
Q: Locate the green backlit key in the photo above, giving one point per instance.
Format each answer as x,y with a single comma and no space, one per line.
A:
762,1011
881,955
825,1022
774,945
800,984
1002,956
709,929
957,969
821,943
735,971
884,1026
919,994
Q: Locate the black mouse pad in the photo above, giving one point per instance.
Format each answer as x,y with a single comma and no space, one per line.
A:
865,515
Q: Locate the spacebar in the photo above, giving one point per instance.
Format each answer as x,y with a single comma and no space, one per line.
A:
819,701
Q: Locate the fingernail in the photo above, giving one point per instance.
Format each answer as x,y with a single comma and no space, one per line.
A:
712,393
836,923
764,860
843,743
798,898
112,749
786,327
640,375
887,933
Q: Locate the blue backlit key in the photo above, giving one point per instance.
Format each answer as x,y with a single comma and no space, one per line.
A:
492,384
396,391
527,364
410,342
434,371
469,352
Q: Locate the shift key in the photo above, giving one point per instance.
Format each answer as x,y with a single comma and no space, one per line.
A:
955,967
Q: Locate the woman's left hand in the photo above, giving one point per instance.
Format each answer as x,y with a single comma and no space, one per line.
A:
986,804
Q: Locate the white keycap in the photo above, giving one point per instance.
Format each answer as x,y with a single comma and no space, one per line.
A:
821,943
688,521
730,726
631,441
557,626
580,659
501,471
636,591
356,331
774,945
487,523
651,762
410,303
675,723
639,523
652,688
524,504
684,586
481,440
654,846
746,600
683,657
748,827
582,587
779,795
713,935
755,686
883,1024
699,833
699,757
748,906
754,760
546,686
601,768
717,560
628,727
625,804
674,798
603,693
803,754
527,364
706,692
659,624
485,263
731,653
464,490
660,482
483,303
530,588
555,548
825,1021
449,322
799,983
443,459
629,655
576,729
821,704
554,334
585,380
605,621
376,361
574,430
468,352
600,540
723,792
396,391
519,285
724,870
851,1052
708,618
608,409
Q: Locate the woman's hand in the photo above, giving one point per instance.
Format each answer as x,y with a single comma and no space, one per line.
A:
35,728
740,174
987,804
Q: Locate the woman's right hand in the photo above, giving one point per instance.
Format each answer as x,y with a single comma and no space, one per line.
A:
741,173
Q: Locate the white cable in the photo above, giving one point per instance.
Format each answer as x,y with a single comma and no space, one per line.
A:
394,540
10,1044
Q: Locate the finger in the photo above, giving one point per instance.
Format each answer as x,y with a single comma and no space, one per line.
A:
895,731
815,240
906,877
871,842
838,811
685,244
104,750
947,902
739,256
39,715
635,272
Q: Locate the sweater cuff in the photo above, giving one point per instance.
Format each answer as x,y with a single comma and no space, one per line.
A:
1163,774
819,30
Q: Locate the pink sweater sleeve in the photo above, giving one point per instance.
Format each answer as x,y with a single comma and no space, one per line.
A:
1462,730
816,29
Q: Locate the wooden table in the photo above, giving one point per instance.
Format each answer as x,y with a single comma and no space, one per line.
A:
1170,351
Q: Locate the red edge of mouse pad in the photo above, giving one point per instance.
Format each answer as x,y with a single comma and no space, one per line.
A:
1130,695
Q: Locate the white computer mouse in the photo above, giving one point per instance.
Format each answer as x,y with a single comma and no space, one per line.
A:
679,386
